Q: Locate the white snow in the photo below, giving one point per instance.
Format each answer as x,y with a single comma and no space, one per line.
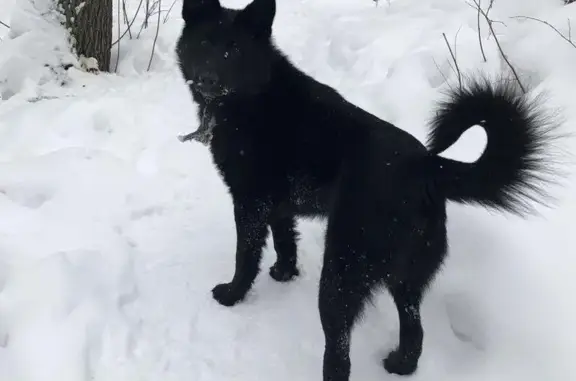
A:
112,232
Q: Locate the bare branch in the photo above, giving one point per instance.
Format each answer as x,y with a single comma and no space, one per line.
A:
129,25
567,39
480,34
498,22
169,10
149,13
126,19
118,53
504,57
442,74
4,24
457,70
156,36
476,6
490,6
146,15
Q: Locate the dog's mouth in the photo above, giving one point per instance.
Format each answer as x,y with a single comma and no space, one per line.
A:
212,93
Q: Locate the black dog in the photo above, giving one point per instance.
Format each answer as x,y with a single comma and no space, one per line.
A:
287,146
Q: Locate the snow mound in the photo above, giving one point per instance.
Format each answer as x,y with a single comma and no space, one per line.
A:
35,51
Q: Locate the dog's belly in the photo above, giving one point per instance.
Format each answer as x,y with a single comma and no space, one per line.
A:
307,201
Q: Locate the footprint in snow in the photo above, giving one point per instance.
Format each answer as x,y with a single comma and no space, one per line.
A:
155,210
102,123
465,322
31,197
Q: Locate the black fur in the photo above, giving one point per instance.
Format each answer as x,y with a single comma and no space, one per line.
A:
288,146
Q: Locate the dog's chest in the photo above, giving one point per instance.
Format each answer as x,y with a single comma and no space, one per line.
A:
232,151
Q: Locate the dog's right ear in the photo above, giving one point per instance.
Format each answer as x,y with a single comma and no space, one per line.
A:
258,17
194,10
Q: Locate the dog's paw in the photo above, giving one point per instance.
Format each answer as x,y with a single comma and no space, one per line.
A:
226,295
398,363
283,273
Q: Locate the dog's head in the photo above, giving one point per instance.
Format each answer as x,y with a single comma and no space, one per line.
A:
224,51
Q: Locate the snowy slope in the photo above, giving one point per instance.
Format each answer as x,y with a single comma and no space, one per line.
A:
112,232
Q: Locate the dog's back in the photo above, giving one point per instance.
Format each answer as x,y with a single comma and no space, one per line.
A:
293,139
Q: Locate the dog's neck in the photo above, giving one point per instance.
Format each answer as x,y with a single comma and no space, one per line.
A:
281,81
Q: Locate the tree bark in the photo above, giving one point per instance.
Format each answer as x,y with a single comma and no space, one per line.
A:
90,25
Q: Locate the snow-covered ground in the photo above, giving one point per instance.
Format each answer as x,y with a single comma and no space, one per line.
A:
112,232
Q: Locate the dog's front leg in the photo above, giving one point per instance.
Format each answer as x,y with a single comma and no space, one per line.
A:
285,237
251,232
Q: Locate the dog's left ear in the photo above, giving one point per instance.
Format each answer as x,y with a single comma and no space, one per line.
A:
195,10
258,17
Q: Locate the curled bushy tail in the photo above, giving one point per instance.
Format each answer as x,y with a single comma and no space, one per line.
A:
517,161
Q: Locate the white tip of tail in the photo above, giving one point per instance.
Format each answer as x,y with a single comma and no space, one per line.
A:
469,147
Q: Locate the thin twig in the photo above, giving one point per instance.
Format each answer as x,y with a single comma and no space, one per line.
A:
457,70
456,43
442,74
129,25
158,11
156,36
126,18
490,6
145,24
567,39
480,36
504,57
4,24
118,50
149,10
169,10
476,6
499,22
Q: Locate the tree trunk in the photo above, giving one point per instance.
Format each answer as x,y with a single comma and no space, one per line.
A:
90,25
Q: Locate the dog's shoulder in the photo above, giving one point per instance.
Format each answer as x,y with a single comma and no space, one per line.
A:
293,132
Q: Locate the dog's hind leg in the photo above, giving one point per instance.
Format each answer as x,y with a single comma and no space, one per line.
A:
341,300
284,236
404,359
419,271
251,233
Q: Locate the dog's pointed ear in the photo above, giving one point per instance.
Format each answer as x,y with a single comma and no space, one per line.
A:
194,10
258,17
